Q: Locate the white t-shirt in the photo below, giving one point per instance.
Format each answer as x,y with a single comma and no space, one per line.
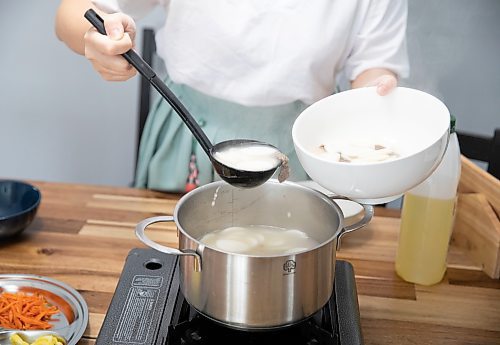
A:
262,53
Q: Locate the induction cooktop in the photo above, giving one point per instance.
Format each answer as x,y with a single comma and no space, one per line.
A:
149,308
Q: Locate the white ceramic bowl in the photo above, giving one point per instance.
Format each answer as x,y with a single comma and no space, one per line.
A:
415,124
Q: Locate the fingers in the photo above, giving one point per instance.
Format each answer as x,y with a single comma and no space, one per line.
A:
117,24
110,60
95,42
114,75
104,51
383,79
385,84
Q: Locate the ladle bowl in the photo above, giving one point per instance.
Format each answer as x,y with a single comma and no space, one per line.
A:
237,177
233,176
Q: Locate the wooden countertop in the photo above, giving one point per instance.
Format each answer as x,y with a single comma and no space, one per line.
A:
82,235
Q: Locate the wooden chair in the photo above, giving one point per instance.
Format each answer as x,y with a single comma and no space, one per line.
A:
148,50
482,148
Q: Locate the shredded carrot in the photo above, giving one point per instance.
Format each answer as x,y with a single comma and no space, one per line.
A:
22,311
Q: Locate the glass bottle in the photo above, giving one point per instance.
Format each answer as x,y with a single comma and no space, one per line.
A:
427,219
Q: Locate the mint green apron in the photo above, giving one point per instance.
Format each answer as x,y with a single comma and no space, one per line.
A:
167,144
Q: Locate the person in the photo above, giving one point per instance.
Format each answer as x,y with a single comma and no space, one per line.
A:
244,69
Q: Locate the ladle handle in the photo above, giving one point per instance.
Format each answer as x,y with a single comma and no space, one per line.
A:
147,72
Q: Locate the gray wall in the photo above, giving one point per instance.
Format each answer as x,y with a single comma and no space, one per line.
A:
60,122
454,48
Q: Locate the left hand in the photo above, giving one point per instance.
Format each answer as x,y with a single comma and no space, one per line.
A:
385,84
384,80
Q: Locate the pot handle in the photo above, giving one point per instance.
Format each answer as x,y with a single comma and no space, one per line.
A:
140,232
368,215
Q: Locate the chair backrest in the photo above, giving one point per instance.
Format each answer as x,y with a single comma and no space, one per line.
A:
482,148
148,50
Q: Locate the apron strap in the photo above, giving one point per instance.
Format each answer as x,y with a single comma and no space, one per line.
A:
192,179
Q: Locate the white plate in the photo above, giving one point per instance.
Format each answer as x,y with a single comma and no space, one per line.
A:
349,208
73,317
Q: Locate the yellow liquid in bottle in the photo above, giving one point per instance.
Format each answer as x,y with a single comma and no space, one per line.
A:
426,226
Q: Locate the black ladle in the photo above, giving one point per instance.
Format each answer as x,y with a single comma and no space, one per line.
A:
233,176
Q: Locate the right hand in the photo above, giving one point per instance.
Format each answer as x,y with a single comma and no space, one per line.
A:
104,52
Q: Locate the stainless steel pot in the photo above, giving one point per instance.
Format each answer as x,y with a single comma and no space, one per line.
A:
254,292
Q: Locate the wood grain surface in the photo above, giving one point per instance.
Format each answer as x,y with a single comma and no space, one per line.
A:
82,235
477,229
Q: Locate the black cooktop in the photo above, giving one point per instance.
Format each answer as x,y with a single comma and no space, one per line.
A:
148,308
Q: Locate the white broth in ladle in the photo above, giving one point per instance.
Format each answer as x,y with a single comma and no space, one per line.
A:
249,158
255,158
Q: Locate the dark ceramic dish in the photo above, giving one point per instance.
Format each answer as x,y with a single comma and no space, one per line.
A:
18,205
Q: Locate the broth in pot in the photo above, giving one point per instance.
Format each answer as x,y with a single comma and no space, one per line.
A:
259,240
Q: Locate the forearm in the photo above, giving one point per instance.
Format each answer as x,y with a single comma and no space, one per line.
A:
370,77
70,24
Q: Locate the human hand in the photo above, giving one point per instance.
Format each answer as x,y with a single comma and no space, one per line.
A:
385,84
104,52
384,80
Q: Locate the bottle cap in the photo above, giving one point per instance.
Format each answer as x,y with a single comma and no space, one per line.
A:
453,121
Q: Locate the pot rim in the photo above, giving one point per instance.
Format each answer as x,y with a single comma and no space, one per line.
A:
202,245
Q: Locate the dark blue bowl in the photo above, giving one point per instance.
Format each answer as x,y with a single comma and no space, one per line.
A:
18,205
